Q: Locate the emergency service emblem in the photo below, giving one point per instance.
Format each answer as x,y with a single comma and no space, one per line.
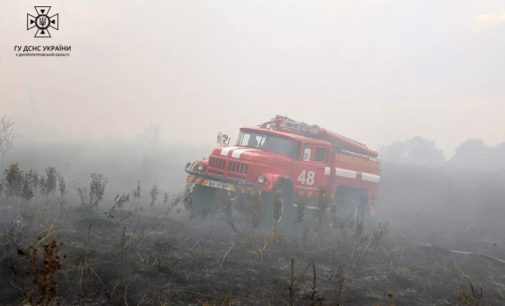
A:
43,22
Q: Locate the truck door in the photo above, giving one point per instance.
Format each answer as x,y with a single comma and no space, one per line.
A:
312,171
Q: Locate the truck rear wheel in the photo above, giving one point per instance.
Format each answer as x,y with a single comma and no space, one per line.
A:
351,209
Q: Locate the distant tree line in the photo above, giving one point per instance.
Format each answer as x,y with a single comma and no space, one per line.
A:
472,154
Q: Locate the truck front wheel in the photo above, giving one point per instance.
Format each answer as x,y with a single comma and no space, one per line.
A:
202,202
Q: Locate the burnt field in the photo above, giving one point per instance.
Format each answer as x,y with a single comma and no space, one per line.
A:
438,240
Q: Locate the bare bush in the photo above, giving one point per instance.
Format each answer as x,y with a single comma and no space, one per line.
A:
14,180
165,198
97,188
45,261
62,187
470,296
226,206
253,210
119,201
277,205
137,191
7,136
50,181
28,188
83,196
322,206
92,198
154,194
33,177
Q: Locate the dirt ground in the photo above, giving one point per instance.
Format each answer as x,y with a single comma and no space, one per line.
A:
139,254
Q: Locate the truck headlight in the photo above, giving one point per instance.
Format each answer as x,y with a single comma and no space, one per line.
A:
200,167
261,179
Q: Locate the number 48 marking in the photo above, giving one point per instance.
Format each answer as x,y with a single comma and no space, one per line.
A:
307,177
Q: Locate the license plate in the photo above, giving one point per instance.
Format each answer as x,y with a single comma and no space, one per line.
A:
218,185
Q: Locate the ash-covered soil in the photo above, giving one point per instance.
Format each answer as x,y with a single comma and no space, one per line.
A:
139,254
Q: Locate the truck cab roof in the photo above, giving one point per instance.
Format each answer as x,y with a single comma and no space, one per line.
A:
293,136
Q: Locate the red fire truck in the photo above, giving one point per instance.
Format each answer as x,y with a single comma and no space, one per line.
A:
300,159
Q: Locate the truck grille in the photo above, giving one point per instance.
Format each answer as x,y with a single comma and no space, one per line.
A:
238,167
216,163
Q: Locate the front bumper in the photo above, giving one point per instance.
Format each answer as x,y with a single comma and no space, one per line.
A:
222,183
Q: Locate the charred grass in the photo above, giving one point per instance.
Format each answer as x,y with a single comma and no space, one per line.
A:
139,253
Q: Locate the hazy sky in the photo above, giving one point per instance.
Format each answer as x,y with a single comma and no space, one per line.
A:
376,71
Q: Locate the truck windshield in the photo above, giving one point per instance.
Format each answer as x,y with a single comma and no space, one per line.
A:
267,142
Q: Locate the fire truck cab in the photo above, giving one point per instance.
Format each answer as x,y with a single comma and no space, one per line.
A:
302,160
